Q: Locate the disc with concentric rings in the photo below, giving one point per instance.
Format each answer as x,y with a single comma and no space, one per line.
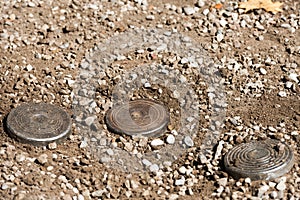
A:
38,123
142,117
259,160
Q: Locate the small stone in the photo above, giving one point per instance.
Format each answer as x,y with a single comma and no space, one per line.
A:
89,120
20,196
293,77
31,4
134,184
83,144
274,194
42,159
29,67
294,133
4,186
179,182
46,57
272,184
285,25
189,10
248,180
176,94
200,3
282,94
182,170
188,141
288,84
222,182
262,190
150,17
203,159
98,193
20,157
259,26
219,149
205,11
220,189
223,22
263,71
80,197
174,132
184,60
154,168
128,146
63,178
156,142
105,159
110,152
52,145
173,196
220,37
147,85
170,139
281,186
272,129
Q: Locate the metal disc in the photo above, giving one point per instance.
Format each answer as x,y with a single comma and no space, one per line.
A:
38,123
143,117
259,160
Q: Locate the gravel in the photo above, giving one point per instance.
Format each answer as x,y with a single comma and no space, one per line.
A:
45,48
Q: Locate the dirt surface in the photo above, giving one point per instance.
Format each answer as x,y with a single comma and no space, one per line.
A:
43,43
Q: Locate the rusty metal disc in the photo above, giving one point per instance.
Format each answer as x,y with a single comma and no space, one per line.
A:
259,160
142,117
38,123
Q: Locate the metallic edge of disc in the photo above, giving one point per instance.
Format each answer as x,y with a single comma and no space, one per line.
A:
38,141
237,173
153,132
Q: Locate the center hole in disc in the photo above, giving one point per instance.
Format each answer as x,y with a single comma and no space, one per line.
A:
258,153
140,116
39,118
136,116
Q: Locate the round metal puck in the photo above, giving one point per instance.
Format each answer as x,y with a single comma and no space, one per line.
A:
259,160
139,117
38,123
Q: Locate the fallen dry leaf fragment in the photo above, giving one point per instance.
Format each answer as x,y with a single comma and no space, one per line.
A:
267,5
218,6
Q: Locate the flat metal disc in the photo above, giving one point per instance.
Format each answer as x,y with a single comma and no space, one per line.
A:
38,123
142,117
259,160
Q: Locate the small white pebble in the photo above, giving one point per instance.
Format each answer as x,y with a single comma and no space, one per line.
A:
247,180
262,190
282,94
4,186
182,170
179,182
263,71
156,142
154,168
170,139
222,182
205,11
293,77
43,158
31,4
281,186
188,141
147,85
80,197
52,145
146,162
